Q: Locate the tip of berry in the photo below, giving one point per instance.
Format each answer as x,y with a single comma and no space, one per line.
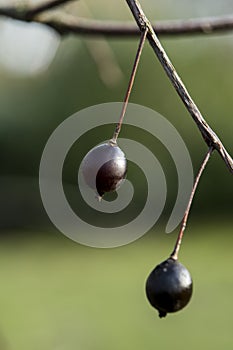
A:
98,197
162,314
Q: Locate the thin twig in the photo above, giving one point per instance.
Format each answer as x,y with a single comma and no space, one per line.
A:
50,4
208,134
27,13
68,24
130,85
174,254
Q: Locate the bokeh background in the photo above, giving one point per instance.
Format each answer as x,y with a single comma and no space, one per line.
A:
56,294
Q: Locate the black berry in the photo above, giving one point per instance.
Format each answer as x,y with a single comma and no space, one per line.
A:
169,287
104,168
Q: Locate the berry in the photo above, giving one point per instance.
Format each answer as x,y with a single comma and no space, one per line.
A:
104,168
169,287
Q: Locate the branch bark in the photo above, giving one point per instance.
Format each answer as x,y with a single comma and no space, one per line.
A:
69,24
208,134
66,24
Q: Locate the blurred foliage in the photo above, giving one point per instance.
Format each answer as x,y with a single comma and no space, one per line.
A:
32,107
56,294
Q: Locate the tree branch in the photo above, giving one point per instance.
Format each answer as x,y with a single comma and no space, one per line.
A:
65,23
27,13
50,4
208,134
69,24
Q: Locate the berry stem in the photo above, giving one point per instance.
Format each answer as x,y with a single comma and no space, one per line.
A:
130,85
174,254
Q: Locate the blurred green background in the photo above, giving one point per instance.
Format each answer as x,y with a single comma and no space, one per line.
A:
56,294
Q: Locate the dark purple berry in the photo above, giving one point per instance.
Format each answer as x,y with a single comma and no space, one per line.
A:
104,168
169,287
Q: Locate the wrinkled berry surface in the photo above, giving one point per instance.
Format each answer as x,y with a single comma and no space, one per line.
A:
169,287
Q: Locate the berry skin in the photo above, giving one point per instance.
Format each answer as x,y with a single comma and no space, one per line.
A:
169,287
104,168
